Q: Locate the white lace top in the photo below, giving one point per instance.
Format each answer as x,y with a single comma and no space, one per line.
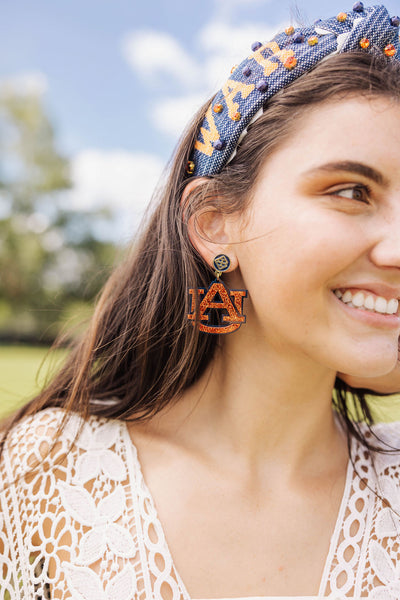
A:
87,528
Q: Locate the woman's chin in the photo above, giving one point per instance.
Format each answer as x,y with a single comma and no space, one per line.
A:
386,383
369,369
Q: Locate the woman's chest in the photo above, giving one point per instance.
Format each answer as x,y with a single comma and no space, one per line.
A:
226,544
206,544
341,544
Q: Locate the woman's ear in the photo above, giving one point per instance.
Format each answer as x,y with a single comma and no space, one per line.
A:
210,230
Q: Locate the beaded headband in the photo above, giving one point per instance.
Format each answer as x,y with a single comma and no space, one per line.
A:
275,64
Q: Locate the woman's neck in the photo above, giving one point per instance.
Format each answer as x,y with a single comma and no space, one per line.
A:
272,412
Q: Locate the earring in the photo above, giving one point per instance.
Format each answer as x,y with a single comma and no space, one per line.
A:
217,309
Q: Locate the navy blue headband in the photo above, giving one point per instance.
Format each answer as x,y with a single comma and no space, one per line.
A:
275,64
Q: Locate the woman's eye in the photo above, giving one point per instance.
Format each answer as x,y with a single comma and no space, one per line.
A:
359,193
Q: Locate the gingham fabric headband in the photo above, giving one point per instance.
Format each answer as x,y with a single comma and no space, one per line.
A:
275,64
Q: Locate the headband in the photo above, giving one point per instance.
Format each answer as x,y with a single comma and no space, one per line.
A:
275,64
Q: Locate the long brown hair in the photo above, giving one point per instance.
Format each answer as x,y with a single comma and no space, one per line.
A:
140,352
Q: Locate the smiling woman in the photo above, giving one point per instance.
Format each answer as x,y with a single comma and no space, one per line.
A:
278,225
341,218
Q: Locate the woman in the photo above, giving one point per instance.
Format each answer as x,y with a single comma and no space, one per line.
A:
261,489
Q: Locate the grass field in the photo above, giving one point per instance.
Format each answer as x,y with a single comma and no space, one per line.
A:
19,379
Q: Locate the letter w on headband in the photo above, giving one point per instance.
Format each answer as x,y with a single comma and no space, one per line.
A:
230,90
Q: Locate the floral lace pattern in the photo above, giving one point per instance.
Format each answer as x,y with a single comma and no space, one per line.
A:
84,525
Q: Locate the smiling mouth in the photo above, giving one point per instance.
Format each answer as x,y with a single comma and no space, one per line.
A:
367,301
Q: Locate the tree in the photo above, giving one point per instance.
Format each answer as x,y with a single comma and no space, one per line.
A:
50,259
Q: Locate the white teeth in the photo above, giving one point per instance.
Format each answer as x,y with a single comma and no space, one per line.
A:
381,305
392,306
347,296
368,301
358,299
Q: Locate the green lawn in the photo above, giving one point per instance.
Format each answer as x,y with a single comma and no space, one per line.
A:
19,379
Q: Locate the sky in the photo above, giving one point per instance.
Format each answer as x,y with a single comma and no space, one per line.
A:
121,78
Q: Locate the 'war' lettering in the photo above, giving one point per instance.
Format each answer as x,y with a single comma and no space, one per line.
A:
209,135
265,61
231,89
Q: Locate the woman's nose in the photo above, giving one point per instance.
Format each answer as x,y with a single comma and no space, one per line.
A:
386,250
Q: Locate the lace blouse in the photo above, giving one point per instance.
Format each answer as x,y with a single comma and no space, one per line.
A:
84,526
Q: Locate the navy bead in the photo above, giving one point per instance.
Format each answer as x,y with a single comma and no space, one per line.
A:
358,7
255,46
395,21
262,85
246,71
219,145
298,38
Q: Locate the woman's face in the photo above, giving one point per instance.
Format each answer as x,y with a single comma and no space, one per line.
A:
325,222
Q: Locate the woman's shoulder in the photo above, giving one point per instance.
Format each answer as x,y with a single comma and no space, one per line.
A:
48,422
73,479
57,436
384,434
28,441
39,425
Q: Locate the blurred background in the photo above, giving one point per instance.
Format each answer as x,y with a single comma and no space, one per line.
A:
94,95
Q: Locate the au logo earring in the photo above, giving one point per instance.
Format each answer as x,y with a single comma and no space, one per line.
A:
220,310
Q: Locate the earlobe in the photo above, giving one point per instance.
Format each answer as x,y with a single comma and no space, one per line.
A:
209,229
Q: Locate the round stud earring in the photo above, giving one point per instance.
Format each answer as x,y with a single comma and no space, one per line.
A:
221,263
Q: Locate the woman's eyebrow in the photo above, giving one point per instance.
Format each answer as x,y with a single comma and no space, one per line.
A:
352,167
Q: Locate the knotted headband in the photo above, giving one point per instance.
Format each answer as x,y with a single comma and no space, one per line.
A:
275,64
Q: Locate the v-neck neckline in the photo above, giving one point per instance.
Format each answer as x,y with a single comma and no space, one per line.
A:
333,539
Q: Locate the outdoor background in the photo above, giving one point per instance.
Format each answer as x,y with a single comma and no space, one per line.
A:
94,95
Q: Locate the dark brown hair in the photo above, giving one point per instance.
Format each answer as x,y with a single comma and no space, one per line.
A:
140,352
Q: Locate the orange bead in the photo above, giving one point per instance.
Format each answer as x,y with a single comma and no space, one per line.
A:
364,43
289,30
390,50
342,16
234,68
218,108
290,63
190,167
312,40
237,116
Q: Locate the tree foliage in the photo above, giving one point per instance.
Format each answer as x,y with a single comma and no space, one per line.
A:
51,262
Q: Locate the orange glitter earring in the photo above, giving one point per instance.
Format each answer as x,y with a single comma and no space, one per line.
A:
217,309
